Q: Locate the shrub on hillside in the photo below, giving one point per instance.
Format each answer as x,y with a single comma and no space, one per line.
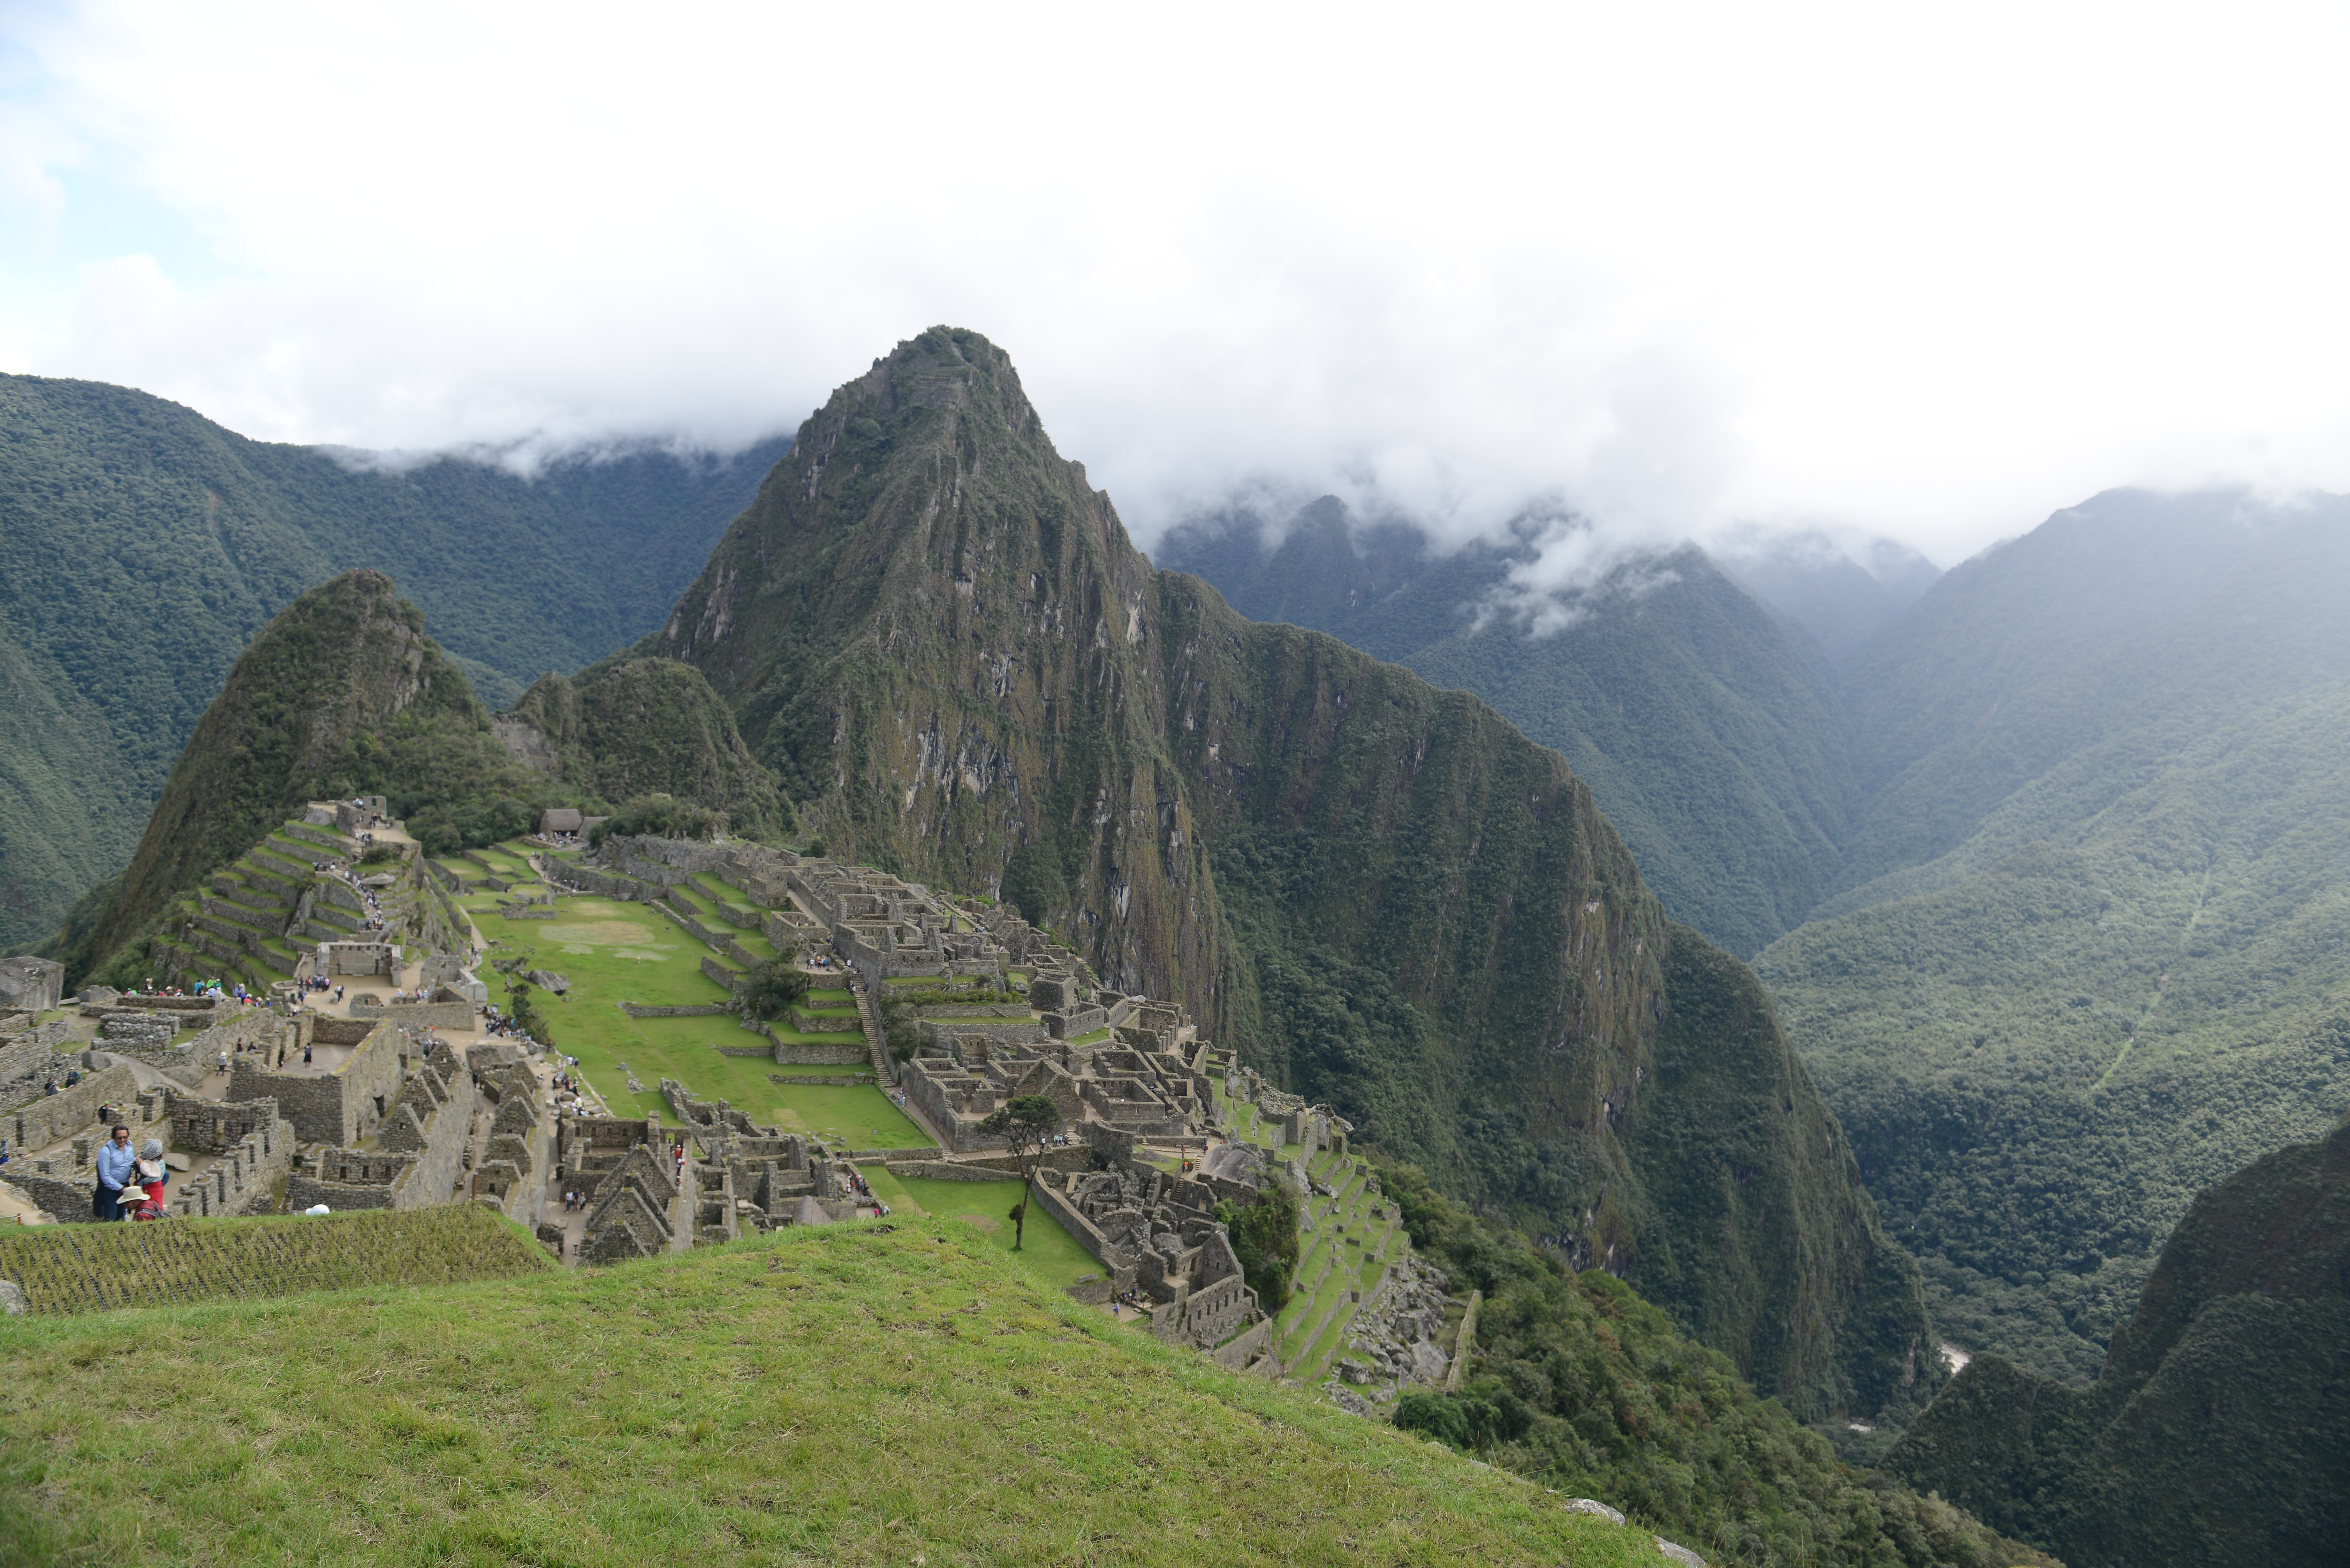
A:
661,815
1265,1239
775,987
1579,1384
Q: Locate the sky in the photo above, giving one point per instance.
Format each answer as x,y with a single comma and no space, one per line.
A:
1931,273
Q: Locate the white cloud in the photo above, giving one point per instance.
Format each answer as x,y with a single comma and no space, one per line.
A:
1929,273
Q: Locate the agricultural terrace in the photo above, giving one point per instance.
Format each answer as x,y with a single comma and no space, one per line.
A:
757,1402
95,1268
1341,1259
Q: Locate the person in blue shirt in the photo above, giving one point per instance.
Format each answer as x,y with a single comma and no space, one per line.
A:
116,1166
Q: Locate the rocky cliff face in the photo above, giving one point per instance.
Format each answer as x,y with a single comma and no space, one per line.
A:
939,635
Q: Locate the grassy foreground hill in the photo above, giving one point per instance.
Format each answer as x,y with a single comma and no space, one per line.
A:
141,546
2219,1432
938,634
852,1394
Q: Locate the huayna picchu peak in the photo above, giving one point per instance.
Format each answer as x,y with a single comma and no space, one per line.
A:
939,635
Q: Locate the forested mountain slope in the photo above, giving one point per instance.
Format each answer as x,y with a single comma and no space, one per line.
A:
1710,738
941,637
631,727
142,546
2079,660
2219,1432
343,694
1579,1385
2132,975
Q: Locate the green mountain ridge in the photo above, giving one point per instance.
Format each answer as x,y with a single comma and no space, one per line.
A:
939,636
1712,738
632,727
2131,976
343,694
2219,1431
142,546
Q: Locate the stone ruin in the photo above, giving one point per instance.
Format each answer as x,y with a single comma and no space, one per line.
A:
885,926
248,1146
1148,1084
1164,1250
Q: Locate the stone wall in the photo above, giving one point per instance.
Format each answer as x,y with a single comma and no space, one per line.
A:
718,972
1088,1235
360,957
946,1170
421,1153
1237,1352
603,884
44,1121
1021,1031
211,1127
28,1059
809,1055
723,941
338,1107
1070,1025
420,1014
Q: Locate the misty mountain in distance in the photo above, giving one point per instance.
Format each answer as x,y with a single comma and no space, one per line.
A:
1710,735
1841,594
142,546
2083,657
2097,950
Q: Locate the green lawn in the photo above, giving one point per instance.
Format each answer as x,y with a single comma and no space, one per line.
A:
1047,1250
751,942
791,1036
895,1393
612,951
861,1114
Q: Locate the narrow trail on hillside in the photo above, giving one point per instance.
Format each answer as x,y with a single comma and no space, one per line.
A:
2161,986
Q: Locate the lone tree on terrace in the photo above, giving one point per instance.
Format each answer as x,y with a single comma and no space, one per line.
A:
775,987
1029,1123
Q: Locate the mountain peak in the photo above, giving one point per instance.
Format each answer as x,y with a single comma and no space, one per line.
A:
1383,894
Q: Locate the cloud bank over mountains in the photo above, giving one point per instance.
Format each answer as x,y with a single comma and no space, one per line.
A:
1925,275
